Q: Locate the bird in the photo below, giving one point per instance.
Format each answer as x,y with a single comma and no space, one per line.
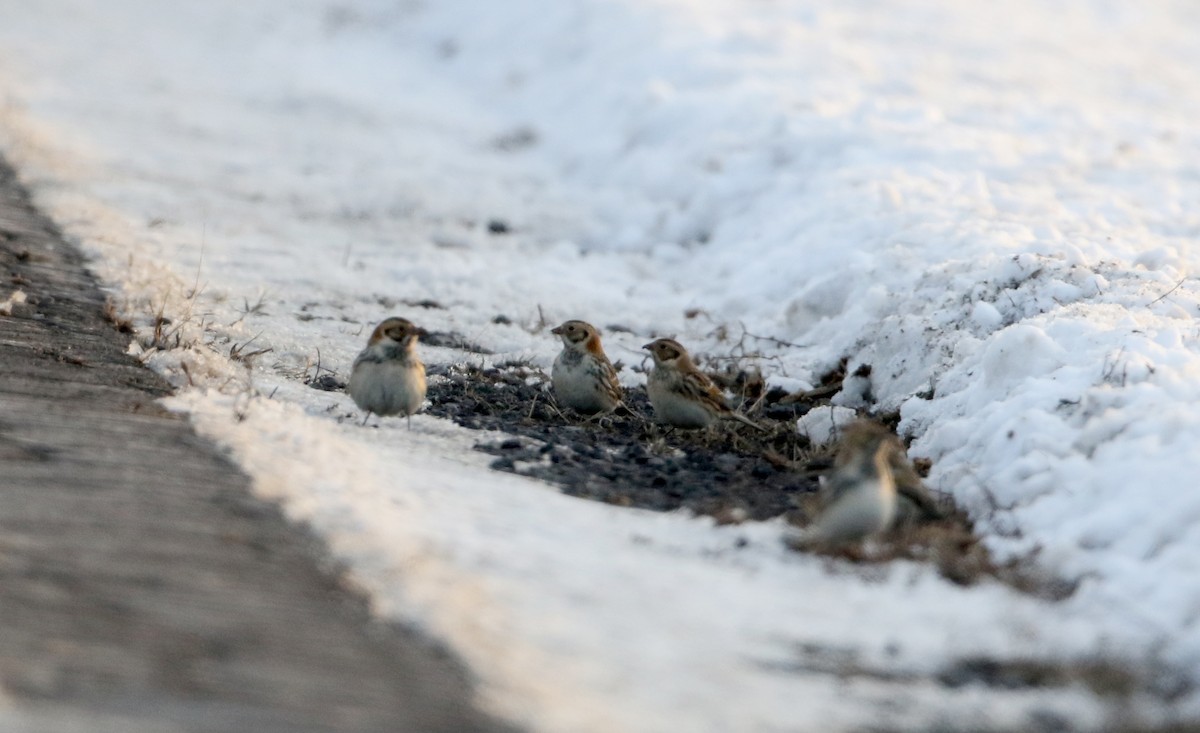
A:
583,377
388,377
682,395
859,494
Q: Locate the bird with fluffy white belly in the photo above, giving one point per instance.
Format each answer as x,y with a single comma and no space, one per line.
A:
859,495
681,394
388,378
583,377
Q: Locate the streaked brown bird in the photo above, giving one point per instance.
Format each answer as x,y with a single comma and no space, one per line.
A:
388,378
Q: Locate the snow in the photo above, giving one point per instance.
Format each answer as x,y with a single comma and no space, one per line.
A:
821,425
991,205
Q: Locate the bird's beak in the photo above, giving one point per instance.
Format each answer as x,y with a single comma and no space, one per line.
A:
420,332
647,346
557,330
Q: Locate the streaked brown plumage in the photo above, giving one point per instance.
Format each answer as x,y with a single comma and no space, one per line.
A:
583,377
681,394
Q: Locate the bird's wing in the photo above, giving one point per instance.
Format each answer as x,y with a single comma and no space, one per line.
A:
696,386
608,380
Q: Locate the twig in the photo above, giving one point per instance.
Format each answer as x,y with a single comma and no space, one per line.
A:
200,264
772,339
1168,292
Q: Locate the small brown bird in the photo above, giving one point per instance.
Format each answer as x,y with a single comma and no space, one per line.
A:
388,378
682,395
583,377
859,495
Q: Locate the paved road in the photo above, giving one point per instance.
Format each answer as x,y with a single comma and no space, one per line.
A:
142,587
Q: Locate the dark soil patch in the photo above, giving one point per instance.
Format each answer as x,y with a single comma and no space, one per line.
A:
731,473
326,383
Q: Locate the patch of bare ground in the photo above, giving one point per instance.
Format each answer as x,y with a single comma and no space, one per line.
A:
733,473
